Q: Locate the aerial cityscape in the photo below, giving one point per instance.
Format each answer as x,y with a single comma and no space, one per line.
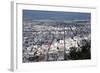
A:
56,36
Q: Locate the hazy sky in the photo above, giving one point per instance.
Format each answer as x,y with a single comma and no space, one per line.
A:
34,15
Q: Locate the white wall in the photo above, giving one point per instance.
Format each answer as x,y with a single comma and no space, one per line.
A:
5,35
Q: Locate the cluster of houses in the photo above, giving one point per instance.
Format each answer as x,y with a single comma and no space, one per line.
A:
52,45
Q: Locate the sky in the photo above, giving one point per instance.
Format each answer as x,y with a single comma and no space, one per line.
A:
54,15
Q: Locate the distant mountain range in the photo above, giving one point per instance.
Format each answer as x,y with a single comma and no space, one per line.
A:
54,15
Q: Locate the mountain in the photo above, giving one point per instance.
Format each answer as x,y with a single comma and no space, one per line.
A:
54,15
